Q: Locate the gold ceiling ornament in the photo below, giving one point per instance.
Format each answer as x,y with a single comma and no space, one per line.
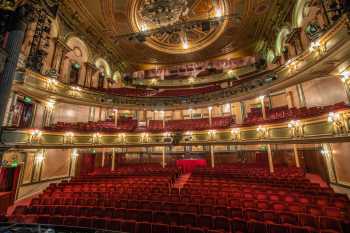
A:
163,12
10,5
147,15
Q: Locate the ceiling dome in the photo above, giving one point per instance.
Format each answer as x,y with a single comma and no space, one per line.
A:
148,15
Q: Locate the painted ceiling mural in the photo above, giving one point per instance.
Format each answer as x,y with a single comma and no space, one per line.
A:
243,25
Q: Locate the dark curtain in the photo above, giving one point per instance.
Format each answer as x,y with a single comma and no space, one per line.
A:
26,116
74,75
8,180
87,164
101,78
261,158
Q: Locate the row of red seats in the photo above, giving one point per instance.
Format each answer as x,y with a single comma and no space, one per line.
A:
219,225
41,214
283,113
125,125
191,124
137,92
194,69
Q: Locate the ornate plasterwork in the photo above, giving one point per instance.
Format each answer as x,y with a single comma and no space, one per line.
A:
196,37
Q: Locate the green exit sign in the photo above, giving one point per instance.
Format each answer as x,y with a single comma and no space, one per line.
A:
27,100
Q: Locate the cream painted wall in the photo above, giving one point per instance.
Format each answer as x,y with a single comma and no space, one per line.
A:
324,91
341,158
56,164
38,121
71,113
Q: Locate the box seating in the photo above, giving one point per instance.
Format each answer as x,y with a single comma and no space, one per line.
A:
281,114
124,125
208,203
191,124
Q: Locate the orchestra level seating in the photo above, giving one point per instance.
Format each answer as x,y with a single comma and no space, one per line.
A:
225,199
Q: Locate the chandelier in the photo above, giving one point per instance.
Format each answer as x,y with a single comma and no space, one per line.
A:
163,12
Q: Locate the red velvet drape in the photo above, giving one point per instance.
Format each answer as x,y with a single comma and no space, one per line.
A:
87,164
261,158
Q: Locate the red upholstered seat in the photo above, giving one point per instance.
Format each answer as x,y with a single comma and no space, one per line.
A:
160,228
222,223
84,222
257,227
178,229
238,226
188,219
205,221
143,227
128,226
278,228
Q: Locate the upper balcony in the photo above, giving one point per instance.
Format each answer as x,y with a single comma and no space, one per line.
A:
329,58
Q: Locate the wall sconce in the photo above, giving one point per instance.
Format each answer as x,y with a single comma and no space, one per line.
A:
68,137
144,137
35,136
75,90
51,104
236,133
75,153
315,46
231,73
338,122
191,80
96,138
296,128
122,137
210,108
262,132
39,158
292,65
167,134
51,83
345,76
212,134
154,81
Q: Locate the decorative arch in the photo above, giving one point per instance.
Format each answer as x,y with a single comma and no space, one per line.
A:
281,39
270,56
117,78
100,62
74,64
299,13
76,43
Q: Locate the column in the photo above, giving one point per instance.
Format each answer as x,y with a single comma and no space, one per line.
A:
103,158
262,101
327,152
61,49
59,66
113,159
212,156
115,117
13,48
163,157
210,109
296,156
289,97
243,112
301,95
90,70
10,109
162,115
269,154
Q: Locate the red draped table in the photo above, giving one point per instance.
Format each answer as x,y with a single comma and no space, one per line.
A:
188,165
